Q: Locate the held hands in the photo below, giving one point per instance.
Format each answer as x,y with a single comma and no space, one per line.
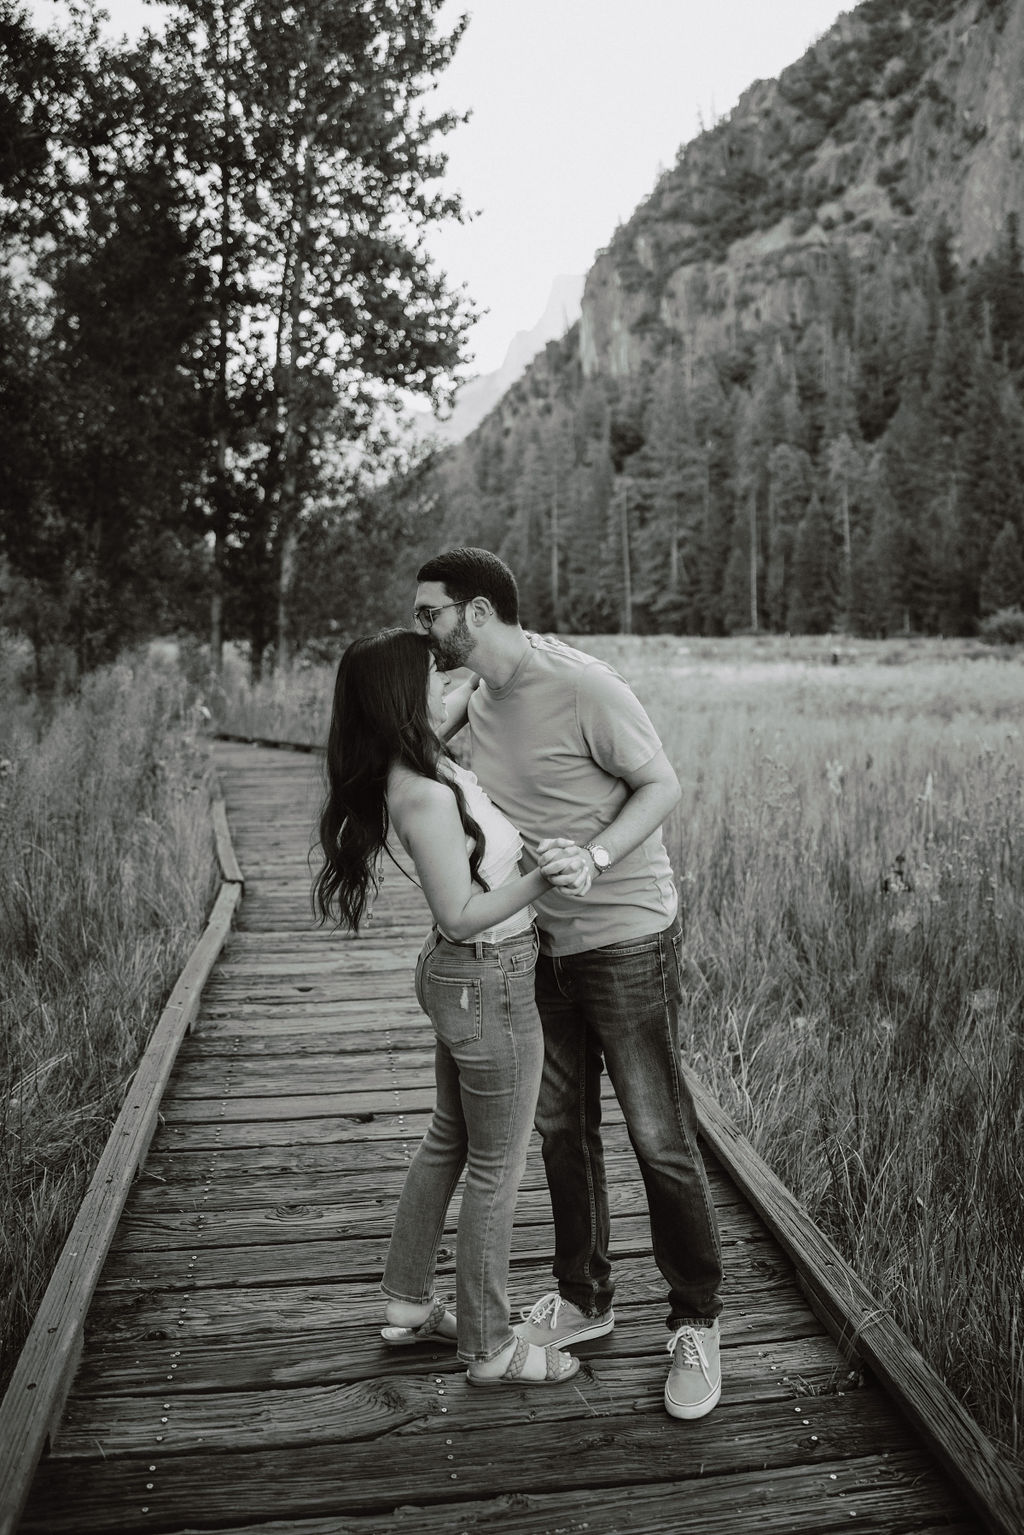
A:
565,865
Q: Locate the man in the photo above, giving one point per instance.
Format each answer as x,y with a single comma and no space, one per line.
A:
561,744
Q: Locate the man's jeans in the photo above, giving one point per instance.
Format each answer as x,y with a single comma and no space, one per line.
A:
622,1002
488,1055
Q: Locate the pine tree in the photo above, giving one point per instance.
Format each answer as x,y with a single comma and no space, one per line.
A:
996,297
100,539
308,136
990,492
812,606
845,469
790,484
1002,581
878,601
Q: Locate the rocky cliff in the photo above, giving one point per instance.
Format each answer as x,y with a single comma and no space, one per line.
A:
896,119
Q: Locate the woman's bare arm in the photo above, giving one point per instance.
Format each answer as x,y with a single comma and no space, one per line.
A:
426,818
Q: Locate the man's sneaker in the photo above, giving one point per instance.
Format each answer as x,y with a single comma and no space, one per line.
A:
695,1380
558,1321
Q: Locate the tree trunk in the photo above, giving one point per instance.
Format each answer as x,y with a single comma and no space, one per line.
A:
627,580
217,557
752,508
289,548
287,380
847,557
220,516
554,555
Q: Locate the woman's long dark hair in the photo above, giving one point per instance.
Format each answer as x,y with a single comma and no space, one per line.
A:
379,717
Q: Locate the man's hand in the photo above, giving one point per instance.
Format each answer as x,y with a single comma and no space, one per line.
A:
565,865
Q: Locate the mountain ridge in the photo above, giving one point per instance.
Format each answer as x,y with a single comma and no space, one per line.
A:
479,395
795,396
883,168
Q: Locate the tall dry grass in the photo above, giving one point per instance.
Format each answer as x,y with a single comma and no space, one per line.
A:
106,872
850,852
850,849
283,706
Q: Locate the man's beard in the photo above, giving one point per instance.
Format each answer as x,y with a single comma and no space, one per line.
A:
456,649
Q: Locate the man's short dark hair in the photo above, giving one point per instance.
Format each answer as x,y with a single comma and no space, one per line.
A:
469,573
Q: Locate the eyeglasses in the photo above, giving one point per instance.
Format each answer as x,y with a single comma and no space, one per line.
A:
427,617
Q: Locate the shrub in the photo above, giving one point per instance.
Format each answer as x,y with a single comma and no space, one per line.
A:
1006,627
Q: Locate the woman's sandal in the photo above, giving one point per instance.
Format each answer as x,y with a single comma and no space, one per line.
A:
438,1327
557,1365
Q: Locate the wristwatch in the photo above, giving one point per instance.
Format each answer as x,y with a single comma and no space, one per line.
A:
601,856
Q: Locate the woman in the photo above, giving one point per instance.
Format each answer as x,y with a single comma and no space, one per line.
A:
387,769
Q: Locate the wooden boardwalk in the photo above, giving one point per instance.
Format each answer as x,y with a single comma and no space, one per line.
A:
233,1378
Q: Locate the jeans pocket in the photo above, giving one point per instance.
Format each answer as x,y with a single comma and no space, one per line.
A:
524,964
455,1006
627,947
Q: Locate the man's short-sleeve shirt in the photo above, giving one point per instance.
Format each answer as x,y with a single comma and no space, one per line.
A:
550,748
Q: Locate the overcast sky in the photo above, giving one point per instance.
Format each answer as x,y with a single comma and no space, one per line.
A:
576,106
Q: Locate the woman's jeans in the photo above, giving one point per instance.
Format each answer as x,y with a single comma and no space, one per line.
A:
621,1003
488,1056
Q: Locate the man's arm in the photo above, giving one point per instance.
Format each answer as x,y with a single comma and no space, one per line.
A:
457,705
654,794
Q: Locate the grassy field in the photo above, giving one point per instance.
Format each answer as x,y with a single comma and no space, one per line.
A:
106,871
850,851
850,848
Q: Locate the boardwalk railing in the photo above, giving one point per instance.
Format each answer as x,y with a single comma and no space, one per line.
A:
35,1397
864,1331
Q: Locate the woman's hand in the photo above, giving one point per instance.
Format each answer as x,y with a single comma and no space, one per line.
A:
457,704
565,865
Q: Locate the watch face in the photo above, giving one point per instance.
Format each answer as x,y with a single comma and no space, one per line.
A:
601,856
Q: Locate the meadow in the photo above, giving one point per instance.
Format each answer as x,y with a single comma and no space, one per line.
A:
107,870
849,847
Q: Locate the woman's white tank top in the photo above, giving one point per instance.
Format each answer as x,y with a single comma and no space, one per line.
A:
502,850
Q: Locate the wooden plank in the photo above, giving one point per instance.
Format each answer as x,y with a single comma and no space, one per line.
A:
366,986
252,1111
311,1252
383,932
294,1031
343,1412
302,1335
249,1020
42,1376
854,1317
354,1125
203,1345
617,1451
872,1495
252,1181
201,1076
344,964
329,1330
158,1218
303,1260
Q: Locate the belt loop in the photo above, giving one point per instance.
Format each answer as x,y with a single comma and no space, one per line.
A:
478,949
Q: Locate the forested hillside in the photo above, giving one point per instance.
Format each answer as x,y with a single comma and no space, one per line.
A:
795,399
